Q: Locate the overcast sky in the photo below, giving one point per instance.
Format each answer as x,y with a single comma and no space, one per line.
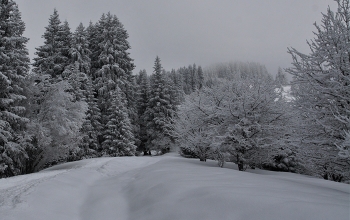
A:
183,32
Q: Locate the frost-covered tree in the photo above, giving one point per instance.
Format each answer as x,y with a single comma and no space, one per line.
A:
110,56
14,66
321,82
200,77
79,50
56,117
160,109
142,104
91,128
118,136
239,115
111,64
53,56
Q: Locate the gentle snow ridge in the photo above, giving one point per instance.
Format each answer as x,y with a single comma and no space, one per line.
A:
168,187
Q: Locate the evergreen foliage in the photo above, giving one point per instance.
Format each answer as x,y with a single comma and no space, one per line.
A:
160,109
53,56
14,66
79,51
118,136
142,103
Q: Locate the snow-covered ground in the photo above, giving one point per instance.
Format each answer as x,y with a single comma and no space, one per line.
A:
166,188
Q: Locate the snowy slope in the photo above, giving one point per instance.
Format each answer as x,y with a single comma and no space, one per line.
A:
168,187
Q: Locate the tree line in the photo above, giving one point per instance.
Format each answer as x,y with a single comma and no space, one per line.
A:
81,98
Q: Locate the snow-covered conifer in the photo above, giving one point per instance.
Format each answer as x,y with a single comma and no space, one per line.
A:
142,104
53,56
14,66
118,136
91,128
79,50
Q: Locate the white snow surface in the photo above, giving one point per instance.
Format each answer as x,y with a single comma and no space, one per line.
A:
165,188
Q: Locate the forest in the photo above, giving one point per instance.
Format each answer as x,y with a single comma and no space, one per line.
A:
81,98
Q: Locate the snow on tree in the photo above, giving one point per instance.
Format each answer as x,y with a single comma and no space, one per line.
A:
118,136
56,120
53,56
193,128
79,50
177,81
111,65
142,103
200,77
239,115
321,84
159,111
91,128
113,61
14,66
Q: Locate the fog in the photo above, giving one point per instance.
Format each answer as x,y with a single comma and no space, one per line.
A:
193,31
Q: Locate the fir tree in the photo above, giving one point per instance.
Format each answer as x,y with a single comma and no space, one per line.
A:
142,103
14,66
52,57
91,128
200,77
159,111
79,50
118,136
113,67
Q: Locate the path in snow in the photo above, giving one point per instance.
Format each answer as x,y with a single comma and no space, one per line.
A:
88,189
168,187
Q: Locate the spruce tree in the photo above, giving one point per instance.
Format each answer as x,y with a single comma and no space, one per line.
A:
118,136
160,110
142,103
91,128
52,57
200,77
14,66
111,65
79,50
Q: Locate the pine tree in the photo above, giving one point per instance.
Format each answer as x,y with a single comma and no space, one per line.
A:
91,128
14,66
200,77
52,57
142,103
194,77
92,34
111,65
159,111
118,136
66,40
79,50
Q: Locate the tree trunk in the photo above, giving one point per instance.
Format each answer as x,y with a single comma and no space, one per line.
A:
239,163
